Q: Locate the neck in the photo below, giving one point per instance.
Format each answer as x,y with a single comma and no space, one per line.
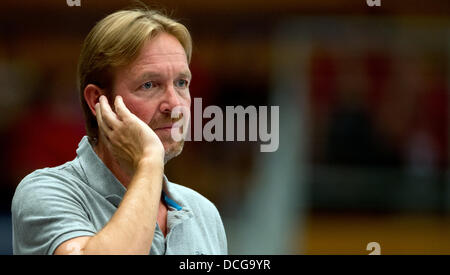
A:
110,161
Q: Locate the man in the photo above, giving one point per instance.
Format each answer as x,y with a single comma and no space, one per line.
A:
113,198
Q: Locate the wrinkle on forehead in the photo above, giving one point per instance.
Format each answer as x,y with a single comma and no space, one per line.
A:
163,53
163,47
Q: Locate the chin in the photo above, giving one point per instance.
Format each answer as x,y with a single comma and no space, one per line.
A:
173,150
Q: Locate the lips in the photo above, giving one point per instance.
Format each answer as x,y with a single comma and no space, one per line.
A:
165,127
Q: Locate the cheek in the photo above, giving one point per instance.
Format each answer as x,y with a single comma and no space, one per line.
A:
141,108
187,102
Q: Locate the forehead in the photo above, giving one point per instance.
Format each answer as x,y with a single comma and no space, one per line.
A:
161,49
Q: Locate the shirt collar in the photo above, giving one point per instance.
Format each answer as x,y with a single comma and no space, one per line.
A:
101,179
167,193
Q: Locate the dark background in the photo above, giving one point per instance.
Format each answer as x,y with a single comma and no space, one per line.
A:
364,131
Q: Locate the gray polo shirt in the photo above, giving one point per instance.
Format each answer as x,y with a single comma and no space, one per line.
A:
53,205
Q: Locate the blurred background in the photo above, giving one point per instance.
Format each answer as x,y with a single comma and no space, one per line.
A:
363,94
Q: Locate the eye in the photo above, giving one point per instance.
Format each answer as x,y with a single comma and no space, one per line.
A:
181,83
147,85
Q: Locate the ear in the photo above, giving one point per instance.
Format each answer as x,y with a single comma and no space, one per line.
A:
92,94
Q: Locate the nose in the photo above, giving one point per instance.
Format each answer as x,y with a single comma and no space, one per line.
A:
171,99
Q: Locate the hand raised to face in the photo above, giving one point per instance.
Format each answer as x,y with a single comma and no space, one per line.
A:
127,137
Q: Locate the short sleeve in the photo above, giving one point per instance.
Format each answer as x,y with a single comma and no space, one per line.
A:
47,211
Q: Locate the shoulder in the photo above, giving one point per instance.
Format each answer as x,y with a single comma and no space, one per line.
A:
48,207
44,184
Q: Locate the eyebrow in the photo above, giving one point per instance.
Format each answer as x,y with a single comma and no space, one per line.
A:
150,74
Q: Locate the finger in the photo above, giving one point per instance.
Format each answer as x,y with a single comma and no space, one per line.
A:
101,125
121,110
108,116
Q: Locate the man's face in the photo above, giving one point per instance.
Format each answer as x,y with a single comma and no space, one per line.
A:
153,84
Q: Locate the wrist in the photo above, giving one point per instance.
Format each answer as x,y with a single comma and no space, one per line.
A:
152,161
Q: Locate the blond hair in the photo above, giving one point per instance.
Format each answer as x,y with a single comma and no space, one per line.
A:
116,41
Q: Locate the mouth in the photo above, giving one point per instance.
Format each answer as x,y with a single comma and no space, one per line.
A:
166,128
163,128
168,125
